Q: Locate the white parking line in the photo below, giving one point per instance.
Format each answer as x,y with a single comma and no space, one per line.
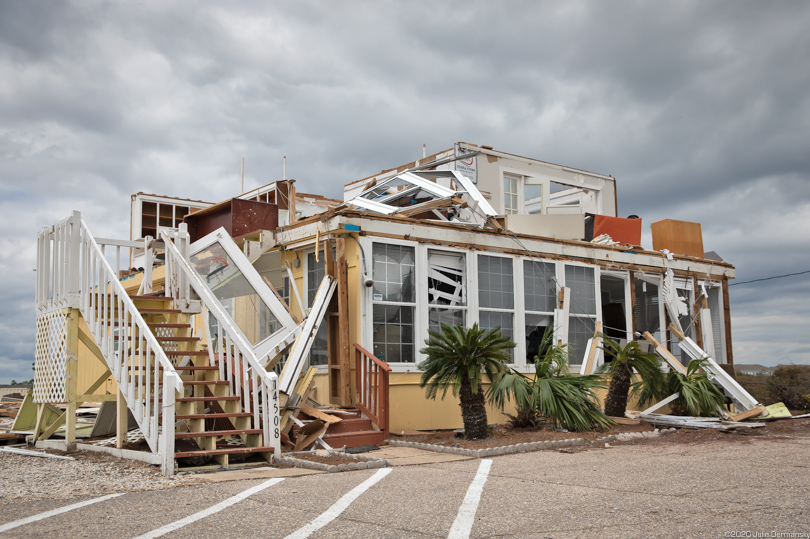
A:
463,524
339,506
47,514
211,510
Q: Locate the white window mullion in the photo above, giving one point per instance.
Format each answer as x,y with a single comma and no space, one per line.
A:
520,313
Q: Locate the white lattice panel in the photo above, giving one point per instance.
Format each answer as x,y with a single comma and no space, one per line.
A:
50,357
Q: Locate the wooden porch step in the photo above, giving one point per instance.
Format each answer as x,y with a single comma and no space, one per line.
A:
205,383
167,325
179,368
216,433
228,451
350,425
177,352
155,324
159,338
355,439
145,310
197,368
151,298
206,399
213,415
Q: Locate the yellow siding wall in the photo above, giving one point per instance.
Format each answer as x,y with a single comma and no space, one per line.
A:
90,367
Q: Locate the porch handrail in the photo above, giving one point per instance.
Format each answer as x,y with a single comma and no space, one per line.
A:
372,387
238,364
73,271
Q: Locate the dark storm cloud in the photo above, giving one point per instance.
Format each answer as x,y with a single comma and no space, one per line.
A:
700,110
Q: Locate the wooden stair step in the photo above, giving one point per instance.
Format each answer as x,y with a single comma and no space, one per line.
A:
175,352
197,368
155,324
205,382
213,415
354,439
159,338
152,298
228,451
179,368
145,310
205,399
217,433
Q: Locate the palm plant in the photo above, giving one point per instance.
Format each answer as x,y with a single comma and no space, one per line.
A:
457,358
625,360
697,395
567,400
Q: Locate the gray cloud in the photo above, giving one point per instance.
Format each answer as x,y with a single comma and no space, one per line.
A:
700,111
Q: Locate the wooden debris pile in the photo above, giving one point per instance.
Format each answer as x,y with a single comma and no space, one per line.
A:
9,408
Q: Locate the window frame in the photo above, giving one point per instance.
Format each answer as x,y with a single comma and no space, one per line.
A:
475,313
424,310
597,316
368,302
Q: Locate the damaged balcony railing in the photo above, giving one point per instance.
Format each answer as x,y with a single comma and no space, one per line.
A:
73,272
372,386
257,388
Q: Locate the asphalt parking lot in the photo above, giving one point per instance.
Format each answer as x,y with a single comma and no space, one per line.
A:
679,490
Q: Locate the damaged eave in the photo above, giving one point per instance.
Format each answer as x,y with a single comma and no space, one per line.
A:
450,234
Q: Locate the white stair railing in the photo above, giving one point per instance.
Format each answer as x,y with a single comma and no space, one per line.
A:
238,364
73,271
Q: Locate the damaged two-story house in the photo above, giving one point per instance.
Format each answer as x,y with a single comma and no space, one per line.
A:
329,302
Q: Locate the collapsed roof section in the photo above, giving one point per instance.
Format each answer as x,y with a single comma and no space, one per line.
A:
439,195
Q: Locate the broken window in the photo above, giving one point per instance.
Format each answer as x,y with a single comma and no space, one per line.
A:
687,327
447,289
614,309
648,308
496,296
540,299
718,330
511,194
582,310
394,300
235,293
316,269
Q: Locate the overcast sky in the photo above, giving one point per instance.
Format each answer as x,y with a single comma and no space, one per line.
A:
701,110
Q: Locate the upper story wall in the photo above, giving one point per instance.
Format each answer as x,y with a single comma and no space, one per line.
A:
515,184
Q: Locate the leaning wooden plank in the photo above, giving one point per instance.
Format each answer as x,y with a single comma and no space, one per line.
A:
664,353
298,352
589,365
28,453
319,414
309,433
661,404
717,374
753,412
299,395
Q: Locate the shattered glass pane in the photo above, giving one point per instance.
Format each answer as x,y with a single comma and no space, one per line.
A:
236,294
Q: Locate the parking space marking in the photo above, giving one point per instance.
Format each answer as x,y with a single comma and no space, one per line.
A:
463,524
339,506
211,510
47,514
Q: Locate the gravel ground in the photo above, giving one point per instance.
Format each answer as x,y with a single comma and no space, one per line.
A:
91,474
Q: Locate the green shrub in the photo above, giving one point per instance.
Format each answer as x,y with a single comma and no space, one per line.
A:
790,384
